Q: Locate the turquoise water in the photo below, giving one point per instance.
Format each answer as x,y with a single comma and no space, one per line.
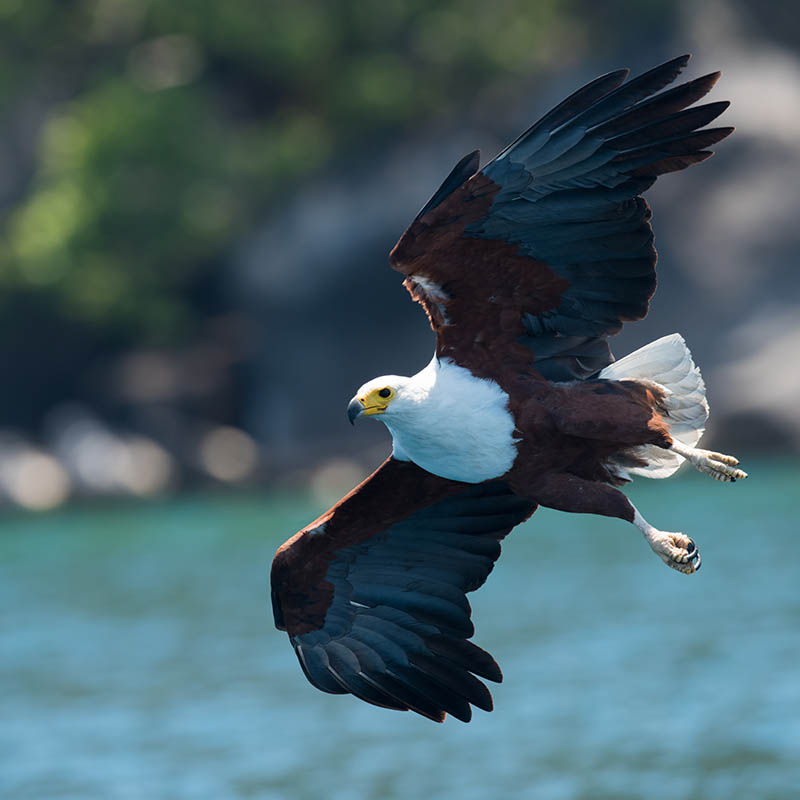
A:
138,660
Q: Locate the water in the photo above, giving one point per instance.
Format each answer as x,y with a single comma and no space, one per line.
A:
138,660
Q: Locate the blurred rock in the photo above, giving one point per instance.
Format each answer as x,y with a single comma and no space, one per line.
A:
228,454
30,477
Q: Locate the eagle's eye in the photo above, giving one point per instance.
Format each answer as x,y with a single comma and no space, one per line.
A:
385,392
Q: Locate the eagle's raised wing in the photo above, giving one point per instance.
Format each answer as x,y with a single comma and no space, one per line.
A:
548,248
372,594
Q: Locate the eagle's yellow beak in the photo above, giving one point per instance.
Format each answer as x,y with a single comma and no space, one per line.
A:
369,404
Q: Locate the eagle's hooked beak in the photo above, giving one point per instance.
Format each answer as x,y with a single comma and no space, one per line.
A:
368,404
354,409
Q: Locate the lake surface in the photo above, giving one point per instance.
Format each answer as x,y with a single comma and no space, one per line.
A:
138,660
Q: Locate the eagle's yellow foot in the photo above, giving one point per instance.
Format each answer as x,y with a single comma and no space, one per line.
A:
676,550
717,465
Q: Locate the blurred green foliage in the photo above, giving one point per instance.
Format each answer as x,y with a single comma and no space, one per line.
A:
171,127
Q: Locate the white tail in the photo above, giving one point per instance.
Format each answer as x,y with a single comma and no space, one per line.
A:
668,363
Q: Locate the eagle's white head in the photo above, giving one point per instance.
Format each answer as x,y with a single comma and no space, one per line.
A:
393,397
444,419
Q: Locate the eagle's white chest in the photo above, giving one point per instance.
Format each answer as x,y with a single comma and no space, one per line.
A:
454,424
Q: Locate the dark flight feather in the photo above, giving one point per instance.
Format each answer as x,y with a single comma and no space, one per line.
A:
378,609
549,247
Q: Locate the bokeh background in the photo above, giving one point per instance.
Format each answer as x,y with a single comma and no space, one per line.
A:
197,201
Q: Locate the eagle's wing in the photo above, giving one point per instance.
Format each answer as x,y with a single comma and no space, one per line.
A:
548,248
372,594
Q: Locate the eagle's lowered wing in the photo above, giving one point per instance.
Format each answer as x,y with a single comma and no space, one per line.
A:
549,247
372,594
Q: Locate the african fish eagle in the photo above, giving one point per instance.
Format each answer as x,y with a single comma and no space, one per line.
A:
524,267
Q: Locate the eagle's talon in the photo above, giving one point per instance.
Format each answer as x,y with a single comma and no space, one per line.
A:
731,461
688,564
691,561
676,550
719,466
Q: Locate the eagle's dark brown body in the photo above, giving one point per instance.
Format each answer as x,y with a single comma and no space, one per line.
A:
573,438
569,431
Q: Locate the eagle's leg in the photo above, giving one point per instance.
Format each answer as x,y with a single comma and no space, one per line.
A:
567,492
676,550
717,465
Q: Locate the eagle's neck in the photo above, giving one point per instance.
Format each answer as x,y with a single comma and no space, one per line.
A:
454,425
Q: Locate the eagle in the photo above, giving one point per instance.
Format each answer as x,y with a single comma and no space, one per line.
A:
524,267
